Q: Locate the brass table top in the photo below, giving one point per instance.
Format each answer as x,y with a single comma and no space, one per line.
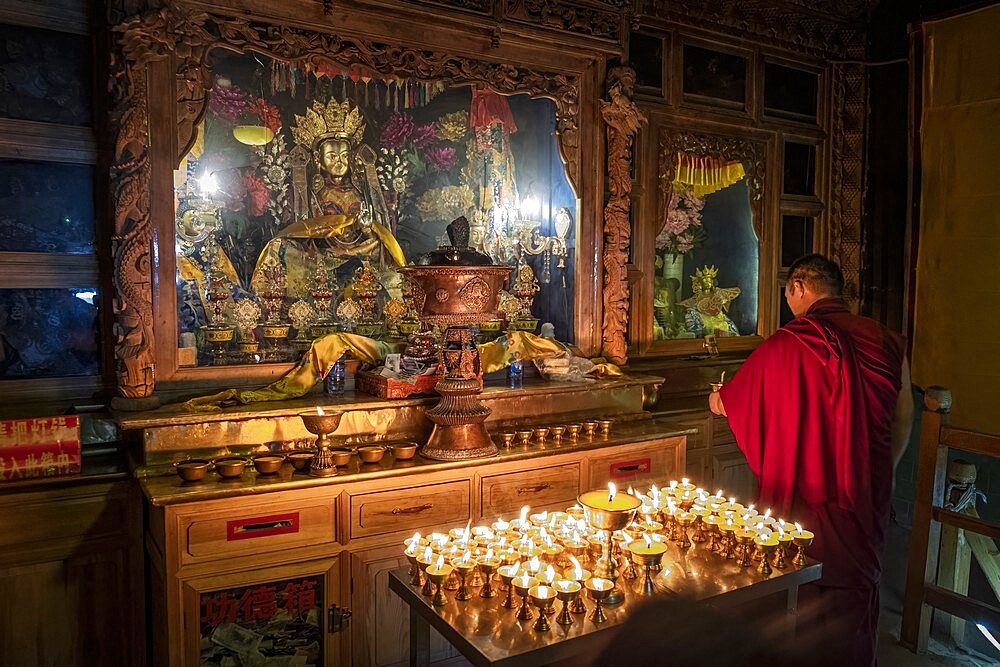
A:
488,634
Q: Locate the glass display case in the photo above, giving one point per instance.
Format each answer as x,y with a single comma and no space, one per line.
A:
310,184
700,252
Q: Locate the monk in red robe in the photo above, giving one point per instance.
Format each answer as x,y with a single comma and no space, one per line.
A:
822,410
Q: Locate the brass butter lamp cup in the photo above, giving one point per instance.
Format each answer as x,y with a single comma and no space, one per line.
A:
522,586
599,590
488,566
507,574
647,555
322,425
542,597
567,591
609,511
801,540
463,568
437,574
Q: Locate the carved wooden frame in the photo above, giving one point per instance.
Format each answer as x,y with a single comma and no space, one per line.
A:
752,151
177,39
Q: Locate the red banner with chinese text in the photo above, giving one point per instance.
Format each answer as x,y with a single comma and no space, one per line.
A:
43,447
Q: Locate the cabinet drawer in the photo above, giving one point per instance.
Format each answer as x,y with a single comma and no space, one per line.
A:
437,505
721,433
539,489
277,526
639,465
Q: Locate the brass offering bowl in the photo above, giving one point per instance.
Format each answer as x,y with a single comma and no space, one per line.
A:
229,467
301,460
540,433
488,566
403,451
340,456
609,514
192,470
524,437
573,431
268,464
590,427
557,433
801,542
371,453
605,426
522,586
508,438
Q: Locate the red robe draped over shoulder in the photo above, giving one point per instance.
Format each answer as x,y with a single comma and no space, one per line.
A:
812,410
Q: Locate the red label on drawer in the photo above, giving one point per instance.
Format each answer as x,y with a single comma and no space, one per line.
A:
262,526
629,468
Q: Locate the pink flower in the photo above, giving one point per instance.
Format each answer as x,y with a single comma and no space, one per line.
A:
397,130
227,103
440,157
424,135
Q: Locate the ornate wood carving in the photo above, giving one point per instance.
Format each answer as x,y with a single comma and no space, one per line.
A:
130,176
193,34
820,28
749,152
623,120
847,165
186,36
565,15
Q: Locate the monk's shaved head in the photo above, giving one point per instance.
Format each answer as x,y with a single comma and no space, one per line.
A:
821,274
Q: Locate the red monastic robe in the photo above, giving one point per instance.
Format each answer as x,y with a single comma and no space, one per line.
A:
812,410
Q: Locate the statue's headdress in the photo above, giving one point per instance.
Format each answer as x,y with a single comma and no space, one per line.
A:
333,120
706,276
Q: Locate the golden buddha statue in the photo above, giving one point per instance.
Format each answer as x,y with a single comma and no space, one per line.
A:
706,309
348,216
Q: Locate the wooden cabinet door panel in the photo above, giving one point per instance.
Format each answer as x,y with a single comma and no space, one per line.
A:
546,488
731,473
410,509
380,634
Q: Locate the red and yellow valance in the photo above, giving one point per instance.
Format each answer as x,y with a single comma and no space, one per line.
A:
704,174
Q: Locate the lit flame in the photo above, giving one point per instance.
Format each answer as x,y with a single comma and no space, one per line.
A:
630,491
319,411
732,500
576,537
524,514
798,527
673,484
656,494
440,563
577,570
550,573
685,481
534,564
719,493
500,524
649,540
428,555
543,591
489,553
611,491
466,557
767,514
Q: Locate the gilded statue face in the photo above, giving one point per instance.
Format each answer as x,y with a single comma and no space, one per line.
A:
335,157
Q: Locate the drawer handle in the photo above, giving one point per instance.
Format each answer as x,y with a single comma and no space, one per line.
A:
626,468
536,488
262,526
412,510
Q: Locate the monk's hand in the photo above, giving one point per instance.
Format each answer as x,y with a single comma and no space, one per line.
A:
715,404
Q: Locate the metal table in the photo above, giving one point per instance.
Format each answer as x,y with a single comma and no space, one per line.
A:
488,634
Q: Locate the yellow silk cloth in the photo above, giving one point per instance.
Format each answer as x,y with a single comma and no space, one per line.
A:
299,381
706,174
328,226
328,349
